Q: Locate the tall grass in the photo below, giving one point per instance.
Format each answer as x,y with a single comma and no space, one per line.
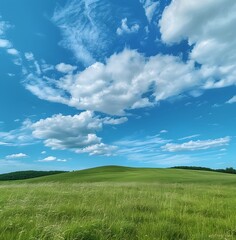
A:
93,211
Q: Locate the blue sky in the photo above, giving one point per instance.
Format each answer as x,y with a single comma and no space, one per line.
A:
144,83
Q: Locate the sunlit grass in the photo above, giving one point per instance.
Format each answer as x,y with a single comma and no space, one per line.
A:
91,211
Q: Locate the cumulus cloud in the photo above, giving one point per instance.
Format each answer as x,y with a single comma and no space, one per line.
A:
127,80
77,133
125,29
196,145
209,28
17,155
65,68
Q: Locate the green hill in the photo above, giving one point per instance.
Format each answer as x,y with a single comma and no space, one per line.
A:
120,203
142,175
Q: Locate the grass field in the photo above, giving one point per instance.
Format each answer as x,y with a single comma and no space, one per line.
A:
120,203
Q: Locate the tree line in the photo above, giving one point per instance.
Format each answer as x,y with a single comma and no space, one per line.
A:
226,170
26,174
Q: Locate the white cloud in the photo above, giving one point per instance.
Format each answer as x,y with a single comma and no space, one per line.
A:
149,150
4,43
232,100
3,27
144,150
18,137
189,137
150,8
62,132
120,84
98,149
89,28
65,68
115,121
196,145
209,27
163,131
13,51
29,56
77,133
125,29
43,152
83,29
52,159
11,74
17,155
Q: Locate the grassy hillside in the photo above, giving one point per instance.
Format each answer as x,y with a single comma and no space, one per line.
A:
119,203
26,174
143,175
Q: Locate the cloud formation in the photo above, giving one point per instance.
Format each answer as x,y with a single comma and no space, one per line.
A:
17,155
76,133
148,150
52,159
90,28
4,43
125,29
127,80
209,28
65,68
196,145
150,8
18,137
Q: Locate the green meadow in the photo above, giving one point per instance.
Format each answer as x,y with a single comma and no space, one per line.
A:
120,203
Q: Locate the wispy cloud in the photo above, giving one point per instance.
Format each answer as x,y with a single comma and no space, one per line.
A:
189,137
52,159
81,23
90,28
148,147
17,155
196,145
151,8
18,137
149,150
163,131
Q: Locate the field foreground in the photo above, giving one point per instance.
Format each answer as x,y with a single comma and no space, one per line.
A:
120,203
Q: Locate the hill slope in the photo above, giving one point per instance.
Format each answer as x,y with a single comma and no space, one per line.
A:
149,175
